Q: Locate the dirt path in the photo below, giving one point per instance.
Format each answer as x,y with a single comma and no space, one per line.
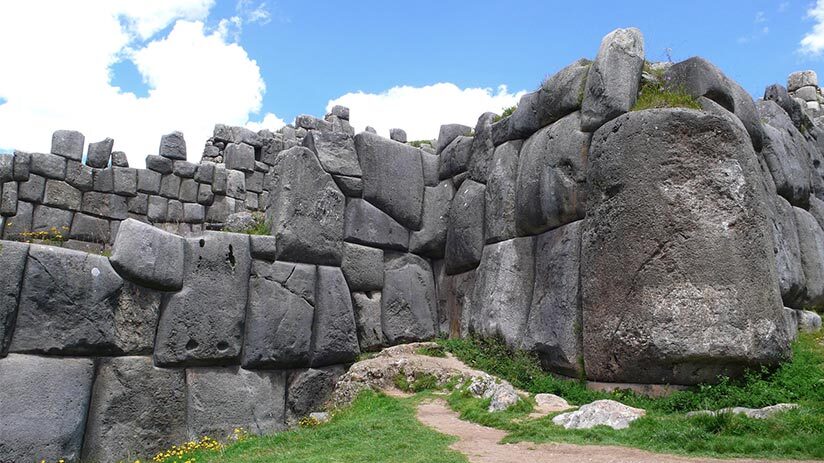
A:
481,444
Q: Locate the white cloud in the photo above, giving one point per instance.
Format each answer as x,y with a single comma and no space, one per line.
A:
269,122
813,42
58,73
420,111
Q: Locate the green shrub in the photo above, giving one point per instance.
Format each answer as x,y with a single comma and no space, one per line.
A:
655,95
506,113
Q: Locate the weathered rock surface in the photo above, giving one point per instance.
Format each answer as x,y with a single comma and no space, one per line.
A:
13,256
600,413
465,232
136,409
613,79
280,314
367,306
223,399
73,303
501,394
408,304
202,324
454,158
306,209
791,279
392,178
310,389
148,256
755,413
480,157
503,290
692,292
430,240
553,329
551,185
362,267
335,151
368,225
44,406
334,333
173,146
500,193
448,133
811,245
68,143
787,154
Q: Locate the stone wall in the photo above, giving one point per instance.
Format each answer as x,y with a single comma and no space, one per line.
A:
666,245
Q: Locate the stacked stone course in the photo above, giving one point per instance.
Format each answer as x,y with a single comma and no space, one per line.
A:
659,246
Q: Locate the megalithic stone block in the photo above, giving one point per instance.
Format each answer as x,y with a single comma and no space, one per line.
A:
149,256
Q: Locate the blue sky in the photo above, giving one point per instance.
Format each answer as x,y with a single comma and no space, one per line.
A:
187,64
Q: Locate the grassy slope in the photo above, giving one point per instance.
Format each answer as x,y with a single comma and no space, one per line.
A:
375,429
794,434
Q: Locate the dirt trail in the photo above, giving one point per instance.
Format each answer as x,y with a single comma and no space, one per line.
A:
481,444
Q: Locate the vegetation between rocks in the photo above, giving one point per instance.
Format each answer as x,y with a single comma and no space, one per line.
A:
795,433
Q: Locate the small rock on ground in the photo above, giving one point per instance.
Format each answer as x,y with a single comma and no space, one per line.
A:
756,413
601,412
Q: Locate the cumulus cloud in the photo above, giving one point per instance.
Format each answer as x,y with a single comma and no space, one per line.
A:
58,74
420,111
813,42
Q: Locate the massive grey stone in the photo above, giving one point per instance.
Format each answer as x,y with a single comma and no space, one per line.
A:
455,294
79,175
57,222
553,329
106,205
480,157
32,190
308,390
817,210
350,186
159,164
692,293
232,134
221,400
305,209
335,151
465,234
239,156
699,77
170,186
92,229
20,222
103,180
280,314
21,166
188,190
790,270
68,143
800,79
398,135
500,193
562,93
334,334
503,290
367,306
6,168
263,247
62,195
366,224
125,181
202,324
430,240
8,199
148,256
73,303
44,406
186,169
408,301
797,114
157,209
173,146
392,178
136,410
811,244
613,79
449,132
599,413
48,165
787,154
119,159
362,267
13,256
99,153
551,185
455,157
430,168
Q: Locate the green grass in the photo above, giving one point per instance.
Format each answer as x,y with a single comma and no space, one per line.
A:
793,434
376,428
419,143
653,96
506,113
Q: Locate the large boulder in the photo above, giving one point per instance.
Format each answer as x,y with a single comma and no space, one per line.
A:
73,303
788,262
698,77
811,244
13,256
222,399
551,185
308,390
449,132
480,157
136,410
392,178
368,225
678,274
501,188
553,329
362,267
202,324
600,413
465,232
367,307
44,406
613,79
430,240
455,295
334,333
148,256
408,304
503,290
455,157
335,151
279,317
305,209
